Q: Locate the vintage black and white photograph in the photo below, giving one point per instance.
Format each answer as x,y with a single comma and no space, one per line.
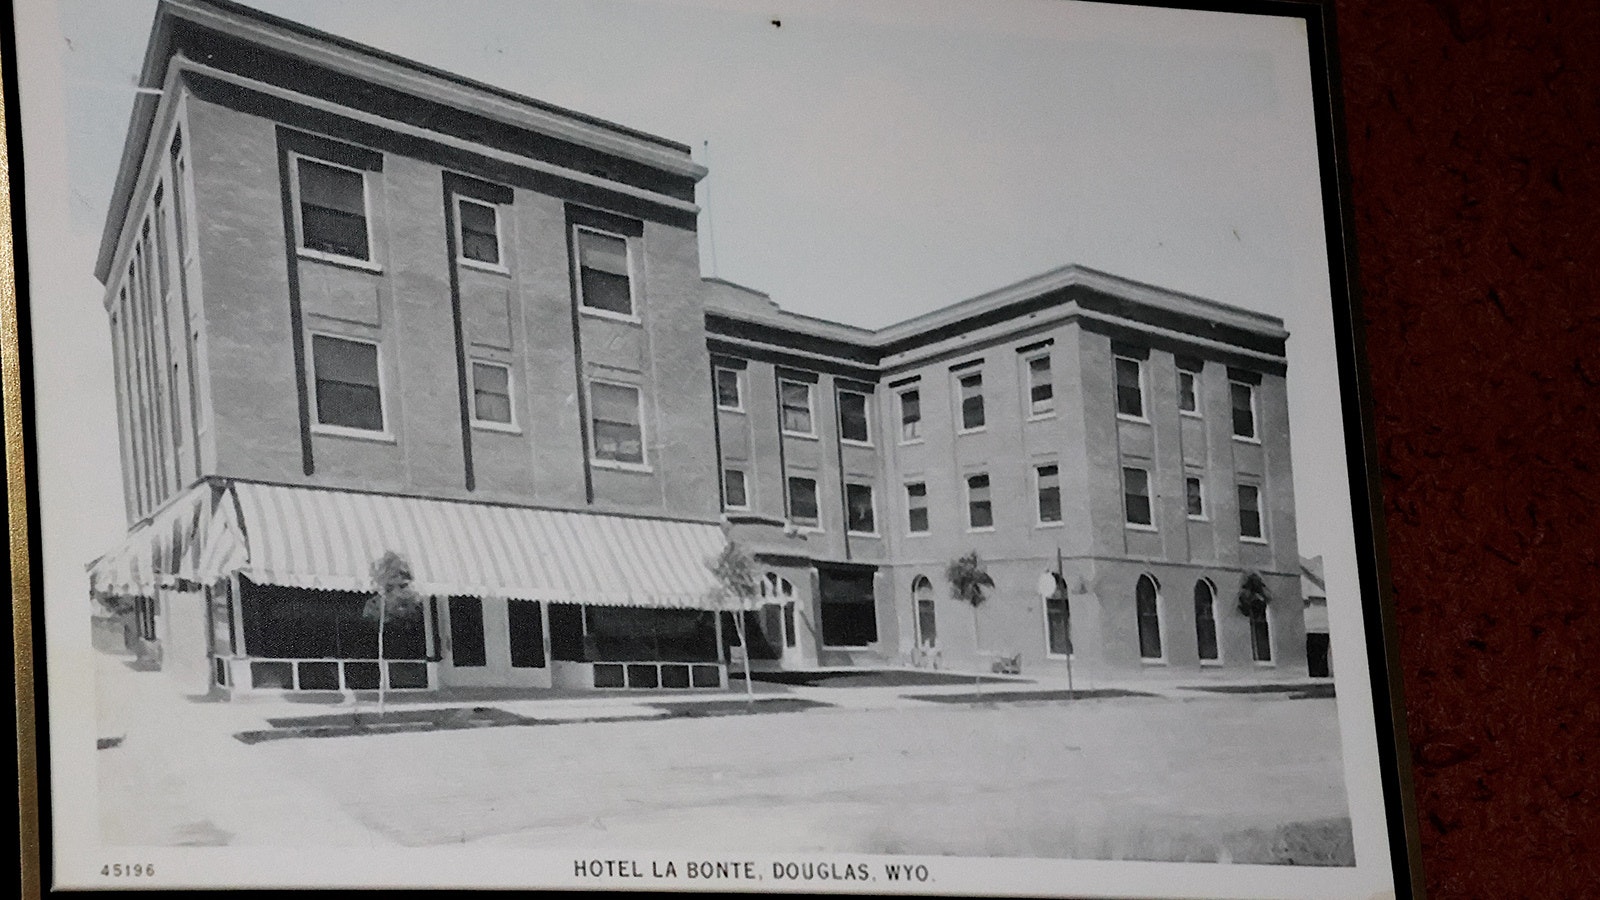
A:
712,445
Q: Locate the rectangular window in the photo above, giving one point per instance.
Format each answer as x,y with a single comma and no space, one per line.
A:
917,508
527,634
1130,388
972,401
478,230
1194,496
349,392
618,428
803,501
1250,512
1041,387
333,209
847,608
910,416
466,632
1058,625
853,418
1188,393
980,513
863,518
796,399
1049,491
733,489
491,394
1136,496
1244,409
604,282
730,396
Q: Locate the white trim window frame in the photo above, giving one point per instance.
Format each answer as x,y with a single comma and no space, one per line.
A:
1029,387
1204,515
1138,388
1216,627
1044,613
510,426
1195,392
1039,521
644,442
1253,408
632,315
1150,506
1161,622
1271,662
811,408
816,499
738,388
384,434
988,485
744,487
499,265
872,502
927,513
369,262
866,416
961,378
1261,517
914,426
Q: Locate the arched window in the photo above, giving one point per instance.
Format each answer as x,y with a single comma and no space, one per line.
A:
1205,621
777,606
1149,610
927,620
1261,636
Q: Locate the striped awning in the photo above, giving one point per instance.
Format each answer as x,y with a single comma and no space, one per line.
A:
329,539
156,549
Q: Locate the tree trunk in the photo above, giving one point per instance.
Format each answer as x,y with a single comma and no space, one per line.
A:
383,609
977,646
744,645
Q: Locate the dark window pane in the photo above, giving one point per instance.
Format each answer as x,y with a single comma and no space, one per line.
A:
1244,413
910,415
609,675
789,633
1041,390
1194,497
618,436
917,507
526,634
1249,511
408,675
847,608
479,232
361,676
643,676
803,500
796,400
347,388
333,213
1049,494
733,487
853,417
603,272
1136,496
858,499
1205,621
318,676
972,402
979,513
927,623
1149,618
295,623
1188,400
466,632
1058,629
272,675
674,676
566,632
707,676
1130,392
727,384
1261,637
602,290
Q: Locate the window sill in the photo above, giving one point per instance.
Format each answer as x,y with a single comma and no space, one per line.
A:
1134,526
918,534
377,437
801,435
1244,439
854,443
730,409
1061,657
1194,518
1124,417
1056,524
1266,664
911,442
1152,662
481,266
1210,663
864,534
614,465
1042,417
347,262
737,509
987,529
1253,540
625,318
808,529
1190,414
979,430
502,427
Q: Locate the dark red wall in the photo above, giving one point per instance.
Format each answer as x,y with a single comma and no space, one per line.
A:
1473,130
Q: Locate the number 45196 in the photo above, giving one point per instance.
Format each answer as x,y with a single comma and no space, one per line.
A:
127,870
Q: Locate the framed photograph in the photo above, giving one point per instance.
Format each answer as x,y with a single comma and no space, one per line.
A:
850,447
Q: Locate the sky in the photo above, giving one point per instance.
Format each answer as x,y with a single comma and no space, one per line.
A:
868,162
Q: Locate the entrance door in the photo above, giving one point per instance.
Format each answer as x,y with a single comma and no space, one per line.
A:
779,619
926,622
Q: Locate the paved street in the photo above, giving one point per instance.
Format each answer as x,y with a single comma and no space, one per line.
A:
1184,775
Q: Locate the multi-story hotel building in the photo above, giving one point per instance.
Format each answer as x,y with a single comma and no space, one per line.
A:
359,305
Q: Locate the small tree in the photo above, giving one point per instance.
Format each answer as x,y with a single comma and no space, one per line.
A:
1253,598
737,586
394,598
967,582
